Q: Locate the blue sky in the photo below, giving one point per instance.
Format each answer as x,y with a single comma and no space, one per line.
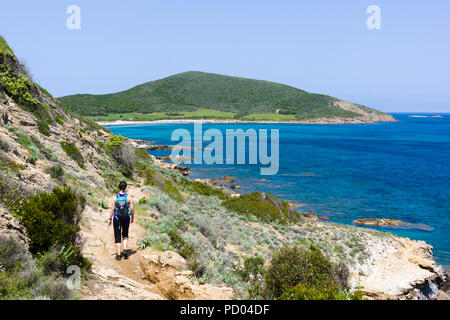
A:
320,46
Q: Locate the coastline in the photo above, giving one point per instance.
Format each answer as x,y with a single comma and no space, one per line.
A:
397,267
180,121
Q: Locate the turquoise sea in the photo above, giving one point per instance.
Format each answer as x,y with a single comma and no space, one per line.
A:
396,170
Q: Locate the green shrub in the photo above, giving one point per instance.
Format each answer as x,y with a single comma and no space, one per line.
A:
252,267
43,128
123,154
60,119
12,194
153,178
265,207
297,273
143,200
52,219
72,151
183,249
306,291
13,255
115,142
21,277
56,171
142,159
202,188
20,88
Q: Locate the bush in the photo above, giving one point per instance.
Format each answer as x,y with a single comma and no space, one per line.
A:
202,188
252,267
306,291
297,273
72,151
153,178
143,200
52,287
53,219
43,128
265,207
60,119
115,142
13,254
183,249
123,154
22,278
56,171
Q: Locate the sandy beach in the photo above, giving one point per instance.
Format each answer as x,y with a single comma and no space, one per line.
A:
174,121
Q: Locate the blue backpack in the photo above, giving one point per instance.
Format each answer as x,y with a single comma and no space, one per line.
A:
122,206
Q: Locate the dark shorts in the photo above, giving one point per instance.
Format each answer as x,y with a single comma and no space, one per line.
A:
121,226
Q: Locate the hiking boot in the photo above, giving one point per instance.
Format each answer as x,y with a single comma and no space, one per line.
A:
118,257
125,254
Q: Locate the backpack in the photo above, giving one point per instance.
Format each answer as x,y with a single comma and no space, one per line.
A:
122,206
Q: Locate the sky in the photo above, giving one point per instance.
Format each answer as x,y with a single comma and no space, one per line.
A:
321,46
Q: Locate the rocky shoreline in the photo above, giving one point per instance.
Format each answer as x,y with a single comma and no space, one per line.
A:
400,269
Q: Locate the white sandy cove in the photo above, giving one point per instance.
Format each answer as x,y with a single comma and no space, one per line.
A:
168,121
129,122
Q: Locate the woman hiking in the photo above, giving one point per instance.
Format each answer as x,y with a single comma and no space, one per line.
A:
122,212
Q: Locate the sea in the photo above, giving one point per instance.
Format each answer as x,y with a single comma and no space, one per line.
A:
396,170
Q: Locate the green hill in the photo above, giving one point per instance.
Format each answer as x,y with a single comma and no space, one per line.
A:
206,95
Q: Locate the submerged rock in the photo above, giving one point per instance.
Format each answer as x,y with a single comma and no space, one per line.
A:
392,223
377,222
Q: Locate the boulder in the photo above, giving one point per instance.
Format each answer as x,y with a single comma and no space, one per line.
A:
310,216
169,272
377,222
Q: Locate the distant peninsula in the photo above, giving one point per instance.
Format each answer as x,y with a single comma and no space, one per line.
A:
199,95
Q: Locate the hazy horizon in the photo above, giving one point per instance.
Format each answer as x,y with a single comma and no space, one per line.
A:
321,47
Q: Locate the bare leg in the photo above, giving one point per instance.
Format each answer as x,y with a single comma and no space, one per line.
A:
118,248
125,242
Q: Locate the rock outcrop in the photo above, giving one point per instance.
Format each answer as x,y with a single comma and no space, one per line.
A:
11,227
169,272
407,272
377,222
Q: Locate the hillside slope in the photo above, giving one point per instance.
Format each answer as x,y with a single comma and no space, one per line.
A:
182,94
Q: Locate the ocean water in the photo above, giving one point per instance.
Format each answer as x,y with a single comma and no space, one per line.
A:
396,170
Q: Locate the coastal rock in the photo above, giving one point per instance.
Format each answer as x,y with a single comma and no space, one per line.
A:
235,186
168,271
407,272
377,222
310,216
225,179
184,170
228,179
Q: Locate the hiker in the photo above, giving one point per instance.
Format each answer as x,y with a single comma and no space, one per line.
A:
122,211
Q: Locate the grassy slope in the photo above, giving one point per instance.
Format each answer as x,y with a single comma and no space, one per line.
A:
191,91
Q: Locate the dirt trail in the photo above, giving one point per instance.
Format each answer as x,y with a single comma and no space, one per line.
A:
111,279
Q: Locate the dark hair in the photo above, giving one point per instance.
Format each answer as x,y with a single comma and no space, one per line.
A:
122,186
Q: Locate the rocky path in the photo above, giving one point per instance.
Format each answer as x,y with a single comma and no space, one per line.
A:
146,275
111,279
